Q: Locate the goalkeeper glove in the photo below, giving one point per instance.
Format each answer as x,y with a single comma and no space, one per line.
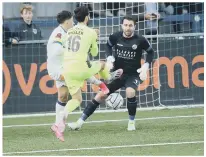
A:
110,61
143,71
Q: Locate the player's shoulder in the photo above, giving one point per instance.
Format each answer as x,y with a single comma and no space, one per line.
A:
139,37
117,34
59,31
85,29
89,30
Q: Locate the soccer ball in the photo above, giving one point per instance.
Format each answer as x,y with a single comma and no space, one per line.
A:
114,100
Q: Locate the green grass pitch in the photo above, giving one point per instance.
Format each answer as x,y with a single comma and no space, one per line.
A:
155,135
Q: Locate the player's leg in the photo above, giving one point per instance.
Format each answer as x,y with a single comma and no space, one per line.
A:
88,73
131,87
102,86
73,103
106,75
101,68
105,71
100,97
63,96
131,107
94,103
75,81
74,85
70,106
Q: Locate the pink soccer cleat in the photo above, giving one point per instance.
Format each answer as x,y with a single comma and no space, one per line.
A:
59,131
54,128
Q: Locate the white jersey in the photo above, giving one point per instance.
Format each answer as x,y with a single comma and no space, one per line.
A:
55,52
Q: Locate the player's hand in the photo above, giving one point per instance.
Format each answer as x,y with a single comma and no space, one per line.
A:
110,59
143,71
14,41
97,31
110,62
152,16
109,65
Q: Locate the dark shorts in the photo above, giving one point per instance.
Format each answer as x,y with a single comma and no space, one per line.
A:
126,81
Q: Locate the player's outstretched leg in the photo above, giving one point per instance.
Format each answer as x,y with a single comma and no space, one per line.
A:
92,106
131,106
88,111
88,74
106,75
101,84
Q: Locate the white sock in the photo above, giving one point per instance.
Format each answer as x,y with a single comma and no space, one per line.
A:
59,109
65,113
131,121
94,80
80,121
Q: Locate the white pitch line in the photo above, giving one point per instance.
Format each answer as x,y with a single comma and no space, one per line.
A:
105,121
106,147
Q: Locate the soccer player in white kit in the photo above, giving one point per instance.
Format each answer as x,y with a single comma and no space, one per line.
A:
55,53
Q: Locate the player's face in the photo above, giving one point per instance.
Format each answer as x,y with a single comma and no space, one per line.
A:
128,27
27,16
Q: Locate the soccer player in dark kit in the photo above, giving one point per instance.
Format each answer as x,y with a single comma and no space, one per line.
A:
128,52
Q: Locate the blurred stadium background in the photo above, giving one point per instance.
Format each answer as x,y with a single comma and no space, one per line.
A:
176,80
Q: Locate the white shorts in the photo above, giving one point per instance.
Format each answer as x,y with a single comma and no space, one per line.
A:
60,84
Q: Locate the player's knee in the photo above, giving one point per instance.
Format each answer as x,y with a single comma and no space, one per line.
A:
63,96
132,100
130,92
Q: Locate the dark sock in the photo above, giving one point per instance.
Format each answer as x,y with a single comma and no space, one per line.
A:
89,110
84,116
61,103
131,106
131,117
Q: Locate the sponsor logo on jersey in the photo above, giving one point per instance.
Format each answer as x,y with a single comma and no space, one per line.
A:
35,31
134,47
119,44
126,54
59,35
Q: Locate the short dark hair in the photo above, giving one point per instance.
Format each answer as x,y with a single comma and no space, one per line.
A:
130,18
63,16
80,13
